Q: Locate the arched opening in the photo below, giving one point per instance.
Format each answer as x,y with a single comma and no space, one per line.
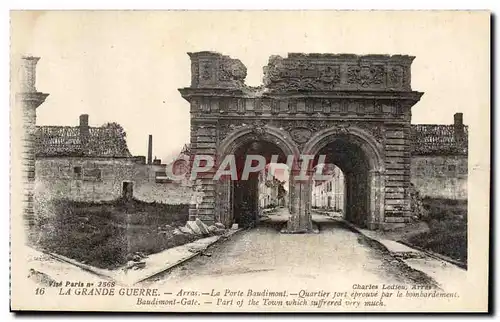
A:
357,154
258,190
328,191
274,190
352,162
242,201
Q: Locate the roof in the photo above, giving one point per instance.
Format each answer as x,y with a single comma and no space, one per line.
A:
433,139
108,141
104,141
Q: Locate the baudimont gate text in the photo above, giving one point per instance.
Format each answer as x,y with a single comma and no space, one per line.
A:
348,110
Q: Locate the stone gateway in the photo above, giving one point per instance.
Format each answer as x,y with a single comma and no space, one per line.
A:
354,109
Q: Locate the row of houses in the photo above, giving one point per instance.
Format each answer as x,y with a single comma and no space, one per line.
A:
271,190
329,194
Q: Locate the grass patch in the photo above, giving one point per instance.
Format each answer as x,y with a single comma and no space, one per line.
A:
447,235
103,234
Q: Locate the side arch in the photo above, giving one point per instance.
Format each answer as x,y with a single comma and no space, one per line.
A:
375,174
365,140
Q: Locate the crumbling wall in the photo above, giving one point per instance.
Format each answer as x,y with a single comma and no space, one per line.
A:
440,176
102,180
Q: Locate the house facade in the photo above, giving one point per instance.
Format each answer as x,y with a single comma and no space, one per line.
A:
329,194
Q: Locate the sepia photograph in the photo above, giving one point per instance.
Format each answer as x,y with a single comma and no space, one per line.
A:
250,161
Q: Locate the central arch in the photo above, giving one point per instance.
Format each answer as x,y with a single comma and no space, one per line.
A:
358,154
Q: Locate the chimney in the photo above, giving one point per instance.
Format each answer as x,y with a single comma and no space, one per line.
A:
84,131
150,149
458,125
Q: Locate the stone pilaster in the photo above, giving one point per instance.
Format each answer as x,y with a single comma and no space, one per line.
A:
28,99
300,203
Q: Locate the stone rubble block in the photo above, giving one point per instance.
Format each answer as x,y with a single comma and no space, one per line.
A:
203,227
177,232
186,230
220,225
193,226
216,230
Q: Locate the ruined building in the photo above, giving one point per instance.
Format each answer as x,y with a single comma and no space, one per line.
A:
87,163
355,109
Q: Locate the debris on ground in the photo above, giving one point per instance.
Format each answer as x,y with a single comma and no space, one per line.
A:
135,265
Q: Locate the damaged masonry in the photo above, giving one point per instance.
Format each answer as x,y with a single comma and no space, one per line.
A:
346,107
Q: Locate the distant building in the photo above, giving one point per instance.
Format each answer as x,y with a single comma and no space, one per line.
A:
271,191
87,163
329,194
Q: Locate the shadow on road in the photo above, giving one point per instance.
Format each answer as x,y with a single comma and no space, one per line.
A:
272,225
331,223
320,222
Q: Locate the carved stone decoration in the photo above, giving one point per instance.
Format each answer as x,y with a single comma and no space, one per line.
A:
309,106
292,106
376,129
378,74
224,73
406,83
377,106
205,105
312,126
240,105
195,73
365,75
342,128
395,76
275,107
271,71
213,70
378,132
227,127
232,71
195,105
301,134
326,106
266,105
300,75
353,75
398,109
258,128
302,130
206,70
330,75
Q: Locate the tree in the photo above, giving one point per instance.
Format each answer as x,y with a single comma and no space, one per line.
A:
112,136
117,128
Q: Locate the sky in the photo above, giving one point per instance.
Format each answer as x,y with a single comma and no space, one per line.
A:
126,67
